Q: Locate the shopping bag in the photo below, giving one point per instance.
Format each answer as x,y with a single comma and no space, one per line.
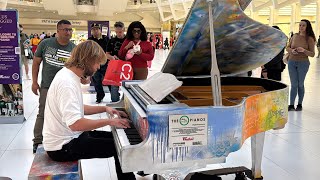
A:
26,52
117,71
149,63
285,58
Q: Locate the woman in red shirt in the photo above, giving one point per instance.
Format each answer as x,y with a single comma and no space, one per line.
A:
137,36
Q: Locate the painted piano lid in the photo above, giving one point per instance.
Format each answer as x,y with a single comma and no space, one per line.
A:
242,44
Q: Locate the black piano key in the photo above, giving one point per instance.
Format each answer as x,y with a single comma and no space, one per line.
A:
133,135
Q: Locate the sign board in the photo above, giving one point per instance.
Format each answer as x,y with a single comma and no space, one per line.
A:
188,130
11,99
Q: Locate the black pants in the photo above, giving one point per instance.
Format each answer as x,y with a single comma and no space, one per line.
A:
97,81
91,144
274,74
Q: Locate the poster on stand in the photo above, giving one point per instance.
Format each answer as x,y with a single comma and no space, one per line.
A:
104,27
11,99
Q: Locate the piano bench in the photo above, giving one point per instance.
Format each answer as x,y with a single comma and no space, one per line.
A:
44,168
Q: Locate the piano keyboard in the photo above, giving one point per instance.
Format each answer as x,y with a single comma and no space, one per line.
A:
129,136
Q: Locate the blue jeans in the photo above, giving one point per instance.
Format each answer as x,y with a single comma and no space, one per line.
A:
115,95
297,72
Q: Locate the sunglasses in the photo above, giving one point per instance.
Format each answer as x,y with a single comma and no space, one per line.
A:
66,30
136,31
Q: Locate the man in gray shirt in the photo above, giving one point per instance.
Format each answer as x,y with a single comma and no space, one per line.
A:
53,52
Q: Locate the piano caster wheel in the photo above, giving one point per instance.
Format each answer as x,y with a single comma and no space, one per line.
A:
240,176
155,177
142,174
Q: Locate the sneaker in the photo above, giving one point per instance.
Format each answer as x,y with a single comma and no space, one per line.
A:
299,107
35,147
98,101
291,108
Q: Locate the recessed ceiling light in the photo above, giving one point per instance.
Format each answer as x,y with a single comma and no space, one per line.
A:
54,12
116,13
39,11
24,9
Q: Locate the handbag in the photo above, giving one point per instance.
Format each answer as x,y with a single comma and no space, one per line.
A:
285,58
131,52
117,71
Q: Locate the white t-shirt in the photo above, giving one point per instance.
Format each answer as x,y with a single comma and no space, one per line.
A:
64,106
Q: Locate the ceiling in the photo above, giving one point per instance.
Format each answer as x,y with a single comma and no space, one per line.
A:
126,10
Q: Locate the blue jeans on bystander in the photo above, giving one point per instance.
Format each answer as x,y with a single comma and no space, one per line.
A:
297,72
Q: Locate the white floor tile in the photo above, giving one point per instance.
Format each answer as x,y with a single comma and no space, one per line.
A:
23,140
301,163
7,133
1,153
308,141
16,164
91,172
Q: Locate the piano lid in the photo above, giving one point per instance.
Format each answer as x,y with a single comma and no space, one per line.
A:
242,44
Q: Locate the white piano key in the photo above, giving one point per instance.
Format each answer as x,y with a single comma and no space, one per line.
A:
124,141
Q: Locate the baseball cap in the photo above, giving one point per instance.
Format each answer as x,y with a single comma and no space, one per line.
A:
95,25
119,24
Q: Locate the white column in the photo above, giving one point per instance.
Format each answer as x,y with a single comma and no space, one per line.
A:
295,17
3,4
273,16
254,15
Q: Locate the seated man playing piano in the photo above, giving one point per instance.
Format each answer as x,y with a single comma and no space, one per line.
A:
67,134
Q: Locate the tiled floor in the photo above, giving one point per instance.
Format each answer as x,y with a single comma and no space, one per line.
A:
292,153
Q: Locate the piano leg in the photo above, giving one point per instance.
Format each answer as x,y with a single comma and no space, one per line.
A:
257,142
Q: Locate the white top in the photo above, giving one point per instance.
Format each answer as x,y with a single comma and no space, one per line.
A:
64,106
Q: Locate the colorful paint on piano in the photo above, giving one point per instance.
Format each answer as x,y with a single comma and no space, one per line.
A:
242,44
140,123
228,127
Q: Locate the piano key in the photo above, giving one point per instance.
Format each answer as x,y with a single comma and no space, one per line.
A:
124,141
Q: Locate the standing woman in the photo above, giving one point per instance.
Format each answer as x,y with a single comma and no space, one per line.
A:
137,36
34,42
300,46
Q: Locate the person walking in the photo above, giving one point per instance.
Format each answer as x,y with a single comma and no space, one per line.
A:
300,47
53,53
97,78
166,43
34,42
24,46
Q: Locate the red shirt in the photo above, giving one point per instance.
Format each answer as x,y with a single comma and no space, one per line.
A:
138,61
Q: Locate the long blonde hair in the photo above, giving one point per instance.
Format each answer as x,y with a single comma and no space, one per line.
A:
86,54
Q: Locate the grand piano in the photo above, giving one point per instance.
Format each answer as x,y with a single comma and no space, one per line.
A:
185,131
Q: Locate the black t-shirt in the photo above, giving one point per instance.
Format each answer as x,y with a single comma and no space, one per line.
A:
114,45
102,42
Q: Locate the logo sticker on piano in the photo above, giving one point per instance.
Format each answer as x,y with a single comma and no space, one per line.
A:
188,130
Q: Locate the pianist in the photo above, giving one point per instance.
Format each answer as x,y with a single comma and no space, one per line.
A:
67,134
